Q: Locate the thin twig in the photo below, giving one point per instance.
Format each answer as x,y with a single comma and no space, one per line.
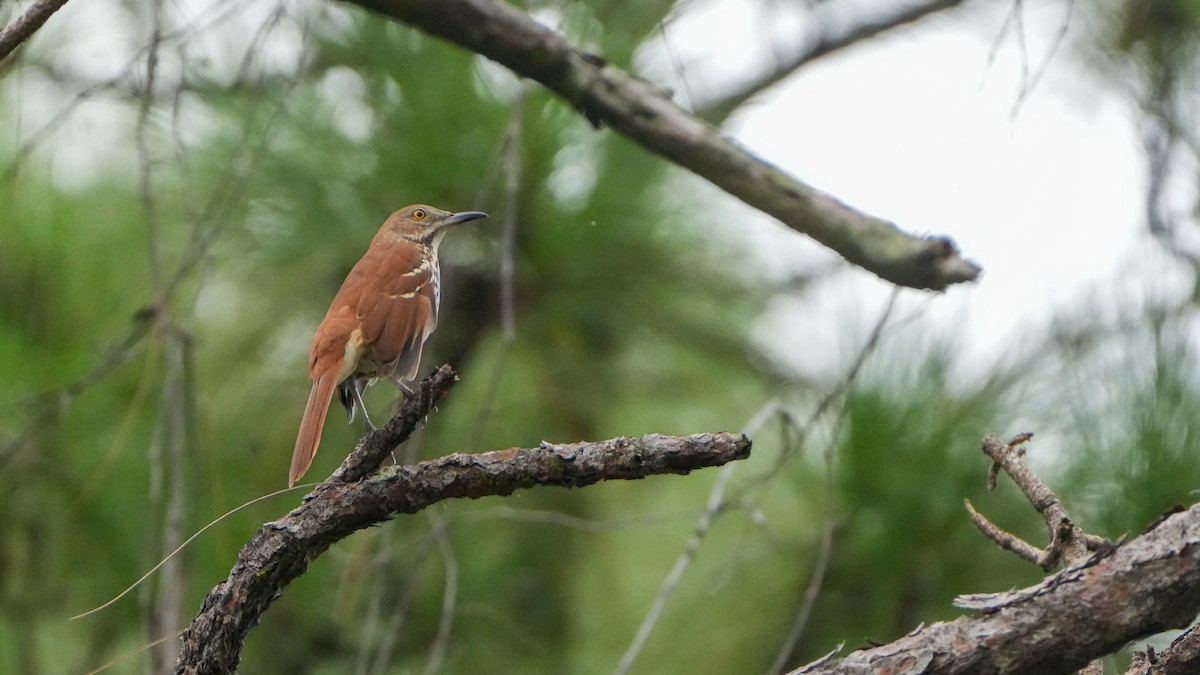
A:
513,136
437,653
830,41
509,160
714,506
404,602
716,500
230,188
125,72
1002,538
677,64
832,523
175,441
377,580
189,540
53,404
811,593
715,503
1067,540
1029,82
844,383
146,169
164,601
137,650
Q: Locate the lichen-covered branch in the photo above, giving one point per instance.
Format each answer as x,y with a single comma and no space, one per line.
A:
1139,588
281,550
644,113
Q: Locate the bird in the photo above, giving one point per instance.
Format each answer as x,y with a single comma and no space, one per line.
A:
378,322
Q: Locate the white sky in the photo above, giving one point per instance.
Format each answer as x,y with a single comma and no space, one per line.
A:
918,127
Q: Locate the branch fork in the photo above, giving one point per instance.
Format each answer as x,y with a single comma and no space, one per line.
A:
358,494
1108,596
1068,542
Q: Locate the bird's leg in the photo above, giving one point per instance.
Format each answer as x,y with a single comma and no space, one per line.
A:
405,392
356,391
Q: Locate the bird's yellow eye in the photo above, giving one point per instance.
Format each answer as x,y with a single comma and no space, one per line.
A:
419,214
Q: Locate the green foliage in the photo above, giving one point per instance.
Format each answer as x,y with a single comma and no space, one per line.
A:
269,176
1133,455
909,456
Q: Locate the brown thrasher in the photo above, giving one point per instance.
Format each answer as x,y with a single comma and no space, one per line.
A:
378,322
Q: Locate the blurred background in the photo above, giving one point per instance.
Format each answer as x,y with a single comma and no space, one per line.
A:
183,187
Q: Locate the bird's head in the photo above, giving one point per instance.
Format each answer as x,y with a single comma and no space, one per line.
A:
425,224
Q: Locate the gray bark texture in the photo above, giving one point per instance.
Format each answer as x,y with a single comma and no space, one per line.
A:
356,497
1139,588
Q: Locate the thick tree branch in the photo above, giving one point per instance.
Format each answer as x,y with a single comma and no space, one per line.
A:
24,26
830,41
1139,588
281,550
642,112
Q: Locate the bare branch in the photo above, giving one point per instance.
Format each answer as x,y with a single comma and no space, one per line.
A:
437,653
51,405
829,42
1004,539
514,135
1067,540
24,26
281,550
809,599
1139,588
642,112
716,500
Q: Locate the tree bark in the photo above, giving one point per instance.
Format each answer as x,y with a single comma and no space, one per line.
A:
281,550
1142,587
24,26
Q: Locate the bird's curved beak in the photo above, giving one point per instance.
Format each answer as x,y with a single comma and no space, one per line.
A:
464,217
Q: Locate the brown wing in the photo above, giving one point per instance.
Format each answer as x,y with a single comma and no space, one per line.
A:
400,311
329,342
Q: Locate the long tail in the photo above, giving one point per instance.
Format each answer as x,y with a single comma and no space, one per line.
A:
310,427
